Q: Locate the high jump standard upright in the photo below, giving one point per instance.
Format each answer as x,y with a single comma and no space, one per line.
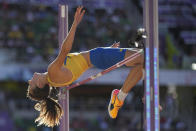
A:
62,33
151,119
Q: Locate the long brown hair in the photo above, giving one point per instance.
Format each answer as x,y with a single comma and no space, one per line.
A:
50,110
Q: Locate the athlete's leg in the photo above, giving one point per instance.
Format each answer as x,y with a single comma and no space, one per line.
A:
132,79
135,74
136,61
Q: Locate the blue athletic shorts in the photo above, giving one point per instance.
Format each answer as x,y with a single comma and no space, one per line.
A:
105,57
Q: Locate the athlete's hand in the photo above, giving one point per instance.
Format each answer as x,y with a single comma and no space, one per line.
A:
79,15
115,45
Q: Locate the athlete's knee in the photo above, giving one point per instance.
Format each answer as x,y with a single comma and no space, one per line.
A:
139,60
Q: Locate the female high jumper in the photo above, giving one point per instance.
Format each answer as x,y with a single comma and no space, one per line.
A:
67,67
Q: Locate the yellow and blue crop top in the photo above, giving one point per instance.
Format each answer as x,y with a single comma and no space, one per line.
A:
77,64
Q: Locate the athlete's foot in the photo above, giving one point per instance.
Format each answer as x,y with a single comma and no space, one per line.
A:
115,104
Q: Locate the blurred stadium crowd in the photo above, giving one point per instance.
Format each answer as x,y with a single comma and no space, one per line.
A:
88,112
32,31
29,34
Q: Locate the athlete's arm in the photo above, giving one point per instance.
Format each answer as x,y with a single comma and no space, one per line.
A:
68,41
